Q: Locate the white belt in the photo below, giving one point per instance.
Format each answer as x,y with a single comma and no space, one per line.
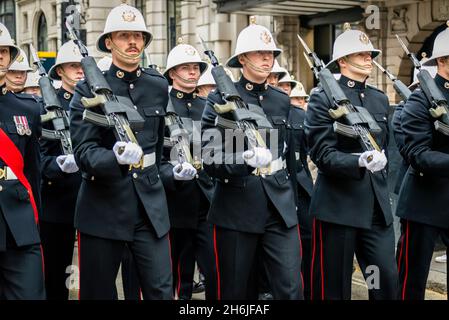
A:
7,174
146,161
274,167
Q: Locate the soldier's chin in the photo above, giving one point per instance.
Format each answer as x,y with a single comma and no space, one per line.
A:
3,73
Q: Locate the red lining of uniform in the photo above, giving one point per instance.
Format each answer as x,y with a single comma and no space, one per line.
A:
322,264
300,252
406,262
313,259
400,252
216,264
178,287
43,261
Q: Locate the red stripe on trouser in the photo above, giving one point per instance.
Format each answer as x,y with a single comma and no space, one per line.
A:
216,264
178,286
406,262
43,260
313,259
402,239
169,253
321,262
79,265
300,252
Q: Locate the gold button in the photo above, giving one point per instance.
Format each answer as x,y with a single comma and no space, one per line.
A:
49,183
92,178
446,85
135,175
67,96
120,74
138,73
351,84
249,86
179,95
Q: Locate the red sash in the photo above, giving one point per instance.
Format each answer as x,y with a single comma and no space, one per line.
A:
14,160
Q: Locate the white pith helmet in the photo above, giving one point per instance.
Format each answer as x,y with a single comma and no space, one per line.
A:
349,42
288,79
123,18
21,63
68,53
253,38
32,80
281,72
6,41
299,91
104,64
440,47
206,78
181,54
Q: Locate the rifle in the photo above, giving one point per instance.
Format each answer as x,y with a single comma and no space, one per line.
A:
118,111
55,112
357,117
439,106
398,85
246,118
179,138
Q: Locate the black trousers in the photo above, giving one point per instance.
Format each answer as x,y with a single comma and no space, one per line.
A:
188,245
235,256
130,276
57,244
333,248
100,258
414,256
22,274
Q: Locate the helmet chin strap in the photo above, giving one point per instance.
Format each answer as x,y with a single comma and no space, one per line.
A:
186,81
72,82
133,57
13,86
356,65
253,67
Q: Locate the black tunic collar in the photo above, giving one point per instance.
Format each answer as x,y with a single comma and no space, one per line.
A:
442,82
251,86
125,75
353,84
178,94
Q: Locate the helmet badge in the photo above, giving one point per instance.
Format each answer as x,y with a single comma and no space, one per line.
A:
129,16
364,38
265,37
190,51
20,59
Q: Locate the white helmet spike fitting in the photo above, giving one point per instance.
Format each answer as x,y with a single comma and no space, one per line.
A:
281,72
206,78
181,54
32,79
68,53
253,38
349,42
288,79
440,47
6,41
299,91
104,64
21,63
123,18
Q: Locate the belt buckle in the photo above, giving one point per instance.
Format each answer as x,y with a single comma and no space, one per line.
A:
2,173
263,171
138,165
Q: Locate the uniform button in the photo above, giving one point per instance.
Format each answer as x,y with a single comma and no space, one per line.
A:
1,188
421,174
49,183
135,107
226,180
385,118
261,98
189,105
135,175
362,95
92,178
197,176
131,86
157,111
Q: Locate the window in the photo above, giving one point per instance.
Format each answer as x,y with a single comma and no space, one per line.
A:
174,23
7,16
25,22
42,39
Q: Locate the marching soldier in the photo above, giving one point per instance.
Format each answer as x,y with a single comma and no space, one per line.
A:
350,201
122,200
254,201
61,181
189,189
276,73
32,84
422,203
21,268
17,73
299,97
287,83
304,181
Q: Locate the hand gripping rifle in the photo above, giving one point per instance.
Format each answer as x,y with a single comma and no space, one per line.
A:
403,91
118,111
356,117
246,118
55,112
439,106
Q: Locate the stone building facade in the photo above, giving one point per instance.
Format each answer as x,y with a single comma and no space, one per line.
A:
41,22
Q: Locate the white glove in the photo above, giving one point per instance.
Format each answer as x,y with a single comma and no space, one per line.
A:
131,154
377,163
184,171
67,163
258,157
